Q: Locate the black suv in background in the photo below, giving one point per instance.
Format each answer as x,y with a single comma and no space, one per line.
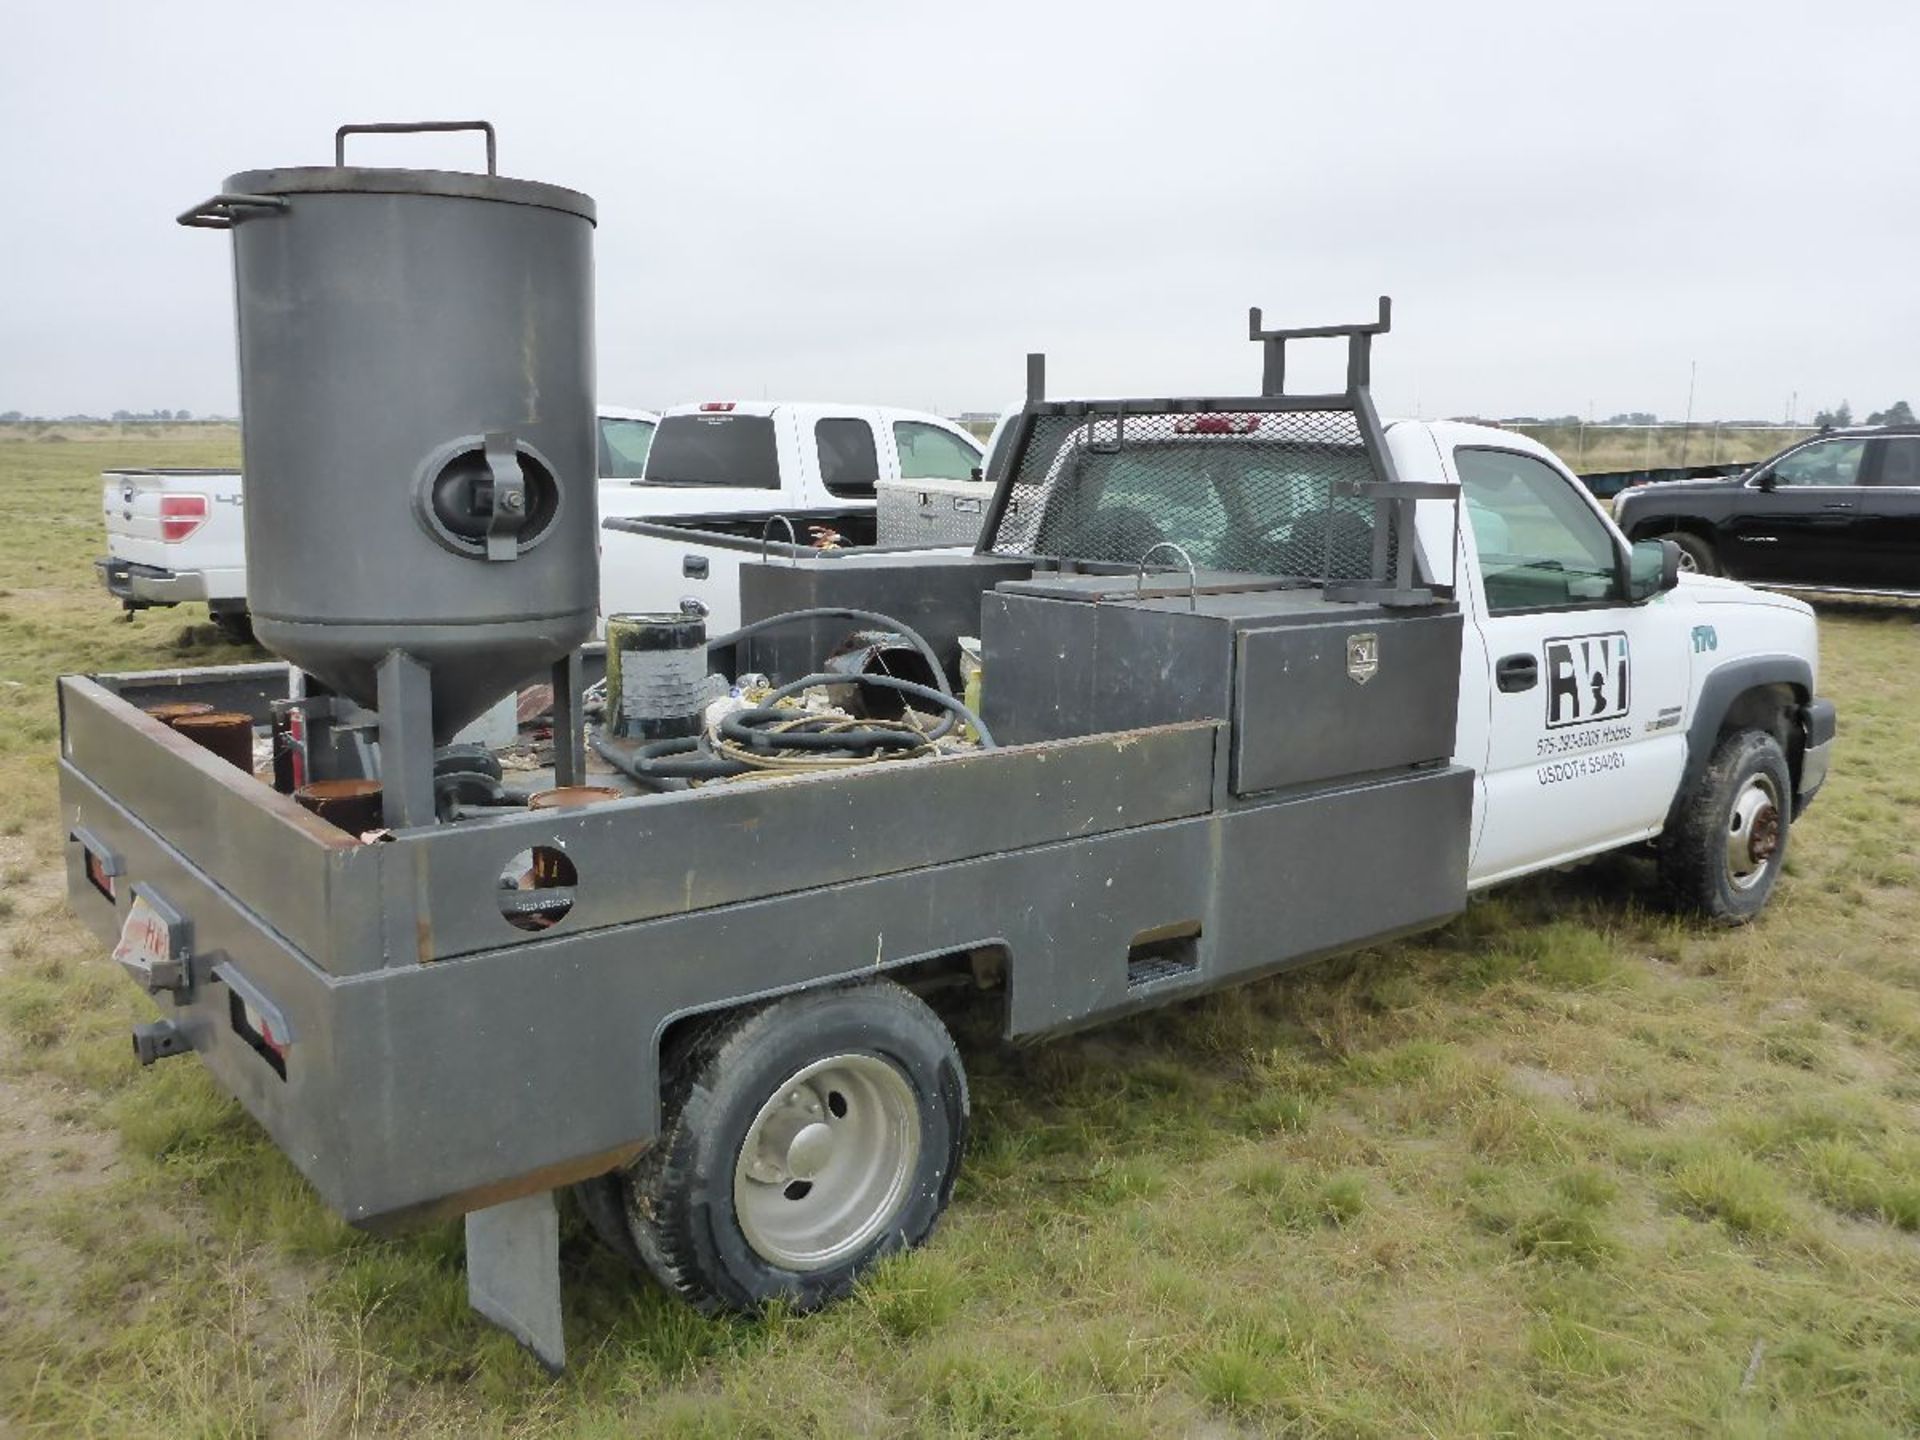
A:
1838,512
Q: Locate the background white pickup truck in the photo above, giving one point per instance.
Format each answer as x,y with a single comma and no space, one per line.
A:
719,474
177,535
173,536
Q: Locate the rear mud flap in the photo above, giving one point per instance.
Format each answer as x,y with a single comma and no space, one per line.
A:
513,1273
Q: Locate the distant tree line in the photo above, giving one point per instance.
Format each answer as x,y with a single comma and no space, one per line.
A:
1898,413
16,417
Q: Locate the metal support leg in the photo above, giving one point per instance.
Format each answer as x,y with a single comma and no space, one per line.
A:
569,742
513,1273
406,740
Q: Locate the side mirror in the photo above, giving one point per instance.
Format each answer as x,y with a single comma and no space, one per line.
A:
977,474
1764,481
1653,568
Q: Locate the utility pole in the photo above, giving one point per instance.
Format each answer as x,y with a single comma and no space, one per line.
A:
1686,428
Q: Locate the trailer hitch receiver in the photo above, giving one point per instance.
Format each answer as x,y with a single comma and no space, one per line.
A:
157,1040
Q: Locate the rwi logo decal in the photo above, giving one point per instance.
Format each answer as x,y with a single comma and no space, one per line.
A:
1586,678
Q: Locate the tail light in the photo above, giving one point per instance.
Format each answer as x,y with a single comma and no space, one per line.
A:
181,515
716,406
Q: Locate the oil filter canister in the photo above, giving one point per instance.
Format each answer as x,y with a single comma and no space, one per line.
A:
656,675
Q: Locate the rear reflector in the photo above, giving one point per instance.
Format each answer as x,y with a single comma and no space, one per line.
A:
181,515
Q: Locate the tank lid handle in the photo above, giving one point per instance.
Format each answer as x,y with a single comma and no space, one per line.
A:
415,127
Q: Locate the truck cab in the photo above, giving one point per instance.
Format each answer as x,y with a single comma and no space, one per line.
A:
1597,680
1590,703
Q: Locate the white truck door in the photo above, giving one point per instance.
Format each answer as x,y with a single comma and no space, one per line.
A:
1586,709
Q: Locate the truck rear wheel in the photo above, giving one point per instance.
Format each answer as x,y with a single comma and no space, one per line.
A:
1723,855
802,1140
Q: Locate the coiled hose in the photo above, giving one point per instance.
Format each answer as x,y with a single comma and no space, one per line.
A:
769,737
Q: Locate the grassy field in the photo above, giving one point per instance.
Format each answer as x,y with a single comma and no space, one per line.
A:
1566,1166
1593,450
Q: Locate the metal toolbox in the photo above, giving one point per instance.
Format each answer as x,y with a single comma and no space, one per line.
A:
931,512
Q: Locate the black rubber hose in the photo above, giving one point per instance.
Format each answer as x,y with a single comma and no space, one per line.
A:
752,729
825,612
759,739
665,761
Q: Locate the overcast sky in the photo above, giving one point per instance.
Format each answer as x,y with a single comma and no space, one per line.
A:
894,202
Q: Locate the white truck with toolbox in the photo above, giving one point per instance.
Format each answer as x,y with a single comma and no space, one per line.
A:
1263,680
727,479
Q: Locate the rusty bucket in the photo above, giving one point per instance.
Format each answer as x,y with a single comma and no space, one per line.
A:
227,733
175,710
353,805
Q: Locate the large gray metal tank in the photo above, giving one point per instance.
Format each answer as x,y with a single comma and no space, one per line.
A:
417,407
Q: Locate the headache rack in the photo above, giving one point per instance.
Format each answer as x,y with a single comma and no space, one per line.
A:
1294,485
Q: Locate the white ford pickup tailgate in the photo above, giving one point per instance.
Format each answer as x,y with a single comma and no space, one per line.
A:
178,520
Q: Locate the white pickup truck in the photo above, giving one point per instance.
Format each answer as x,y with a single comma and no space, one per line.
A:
177,535
1603,702
1605,698
726,474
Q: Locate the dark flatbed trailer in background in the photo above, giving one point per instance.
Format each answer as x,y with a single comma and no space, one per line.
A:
1605,484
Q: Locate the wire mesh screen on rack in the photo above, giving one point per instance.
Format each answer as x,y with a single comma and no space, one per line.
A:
1241,491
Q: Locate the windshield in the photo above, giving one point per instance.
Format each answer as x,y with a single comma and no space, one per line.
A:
714,450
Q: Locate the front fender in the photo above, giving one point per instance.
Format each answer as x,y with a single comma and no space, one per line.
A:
1722,692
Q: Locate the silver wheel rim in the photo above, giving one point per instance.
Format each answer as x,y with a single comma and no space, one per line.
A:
827,1162
1688,564
1753,832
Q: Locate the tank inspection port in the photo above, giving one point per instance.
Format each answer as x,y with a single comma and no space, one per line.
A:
487,497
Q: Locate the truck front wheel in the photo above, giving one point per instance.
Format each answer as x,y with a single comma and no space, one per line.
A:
802,1140
1723,855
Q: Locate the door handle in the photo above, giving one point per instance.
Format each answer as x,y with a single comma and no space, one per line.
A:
1837,505
1516,672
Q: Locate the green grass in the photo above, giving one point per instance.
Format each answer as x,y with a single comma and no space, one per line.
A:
1565,1166
1637,449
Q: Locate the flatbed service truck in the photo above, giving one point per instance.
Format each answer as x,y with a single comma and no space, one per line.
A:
1264,680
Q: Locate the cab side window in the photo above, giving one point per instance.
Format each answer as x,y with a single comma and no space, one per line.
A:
929,453
1832,462
1900,461
623,448
1541,546
848,462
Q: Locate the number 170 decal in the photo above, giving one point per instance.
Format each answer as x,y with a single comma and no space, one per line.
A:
1586,678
